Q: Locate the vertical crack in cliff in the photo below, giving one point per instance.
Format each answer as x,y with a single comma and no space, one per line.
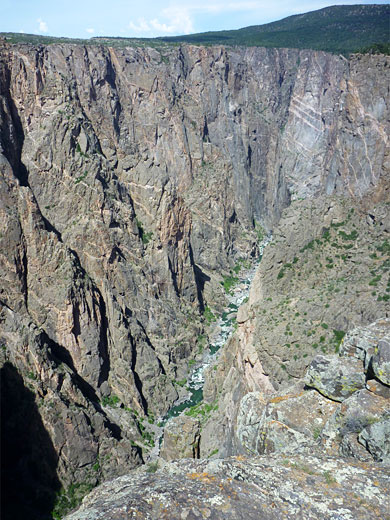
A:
24,274
173,276
111,80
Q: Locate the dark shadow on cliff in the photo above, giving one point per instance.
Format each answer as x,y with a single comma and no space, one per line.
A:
11,130
200,279
29,479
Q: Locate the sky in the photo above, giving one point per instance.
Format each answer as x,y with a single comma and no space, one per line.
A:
148,18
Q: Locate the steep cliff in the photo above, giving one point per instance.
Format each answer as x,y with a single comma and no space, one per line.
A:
132,180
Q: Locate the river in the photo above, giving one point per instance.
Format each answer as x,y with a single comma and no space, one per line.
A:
223,328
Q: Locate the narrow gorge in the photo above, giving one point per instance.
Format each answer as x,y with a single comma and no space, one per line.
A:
137,186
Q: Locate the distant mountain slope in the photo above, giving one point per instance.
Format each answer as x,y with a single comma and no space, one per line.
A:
344,28
339,29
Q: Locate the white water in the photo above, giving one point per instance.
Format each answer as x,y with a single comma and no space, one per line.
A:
224,327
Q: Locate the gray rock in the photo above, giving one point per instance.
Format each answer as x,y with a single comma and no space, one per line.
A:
381,361
336,378
267,488
375,386
341,432
250,420
124,198
362,341
376,438
181,438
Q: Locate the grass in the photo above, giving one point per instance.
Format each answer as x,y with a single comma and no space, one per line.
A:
340,29
201,409
181,383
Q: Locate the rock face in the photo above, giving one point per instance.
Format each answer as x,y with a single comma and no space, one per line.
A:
336,409
131,180
237,488
381,361
334,377
181,439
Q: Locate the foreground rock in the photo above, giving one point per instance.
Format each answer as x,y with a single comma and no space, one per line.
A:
252,489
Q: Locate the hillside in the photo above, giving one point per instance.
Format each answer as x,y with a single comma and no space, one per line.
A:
339,29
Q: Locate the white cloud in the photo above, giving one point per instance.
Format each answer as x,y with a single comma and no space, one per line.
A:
90,30
42,26
173,20
179,19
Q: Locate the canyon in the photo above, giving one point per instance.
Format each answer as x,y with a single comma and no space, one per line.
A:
135,184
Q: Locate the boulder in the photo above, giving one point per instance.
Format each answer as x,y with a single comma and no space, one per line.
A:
375,386
290,422
362,341
181,438
335,377
341,433
376,438
381,361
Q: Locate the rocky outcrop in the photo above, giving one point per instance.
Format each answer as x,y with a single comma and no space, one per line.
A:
337,409
181,439
308,292
381,361
260,487
334,377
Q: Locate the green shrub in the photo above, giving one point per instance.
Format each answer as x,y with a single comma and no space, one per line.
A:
351,236
81,178
152,467
229,282
68,499
112,400
145,237
338,338
208,314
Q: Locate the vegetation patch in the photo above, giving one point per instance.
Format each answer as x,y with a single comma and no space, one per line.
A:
202,410
81,178
145,237
229,282
111,400
208,315
68,499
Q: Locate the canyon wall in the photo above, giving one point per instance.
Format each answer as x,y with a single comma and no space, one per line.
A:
131,180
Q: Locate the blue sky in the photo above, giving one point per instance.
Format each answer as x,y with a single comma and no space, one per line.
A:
149,18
